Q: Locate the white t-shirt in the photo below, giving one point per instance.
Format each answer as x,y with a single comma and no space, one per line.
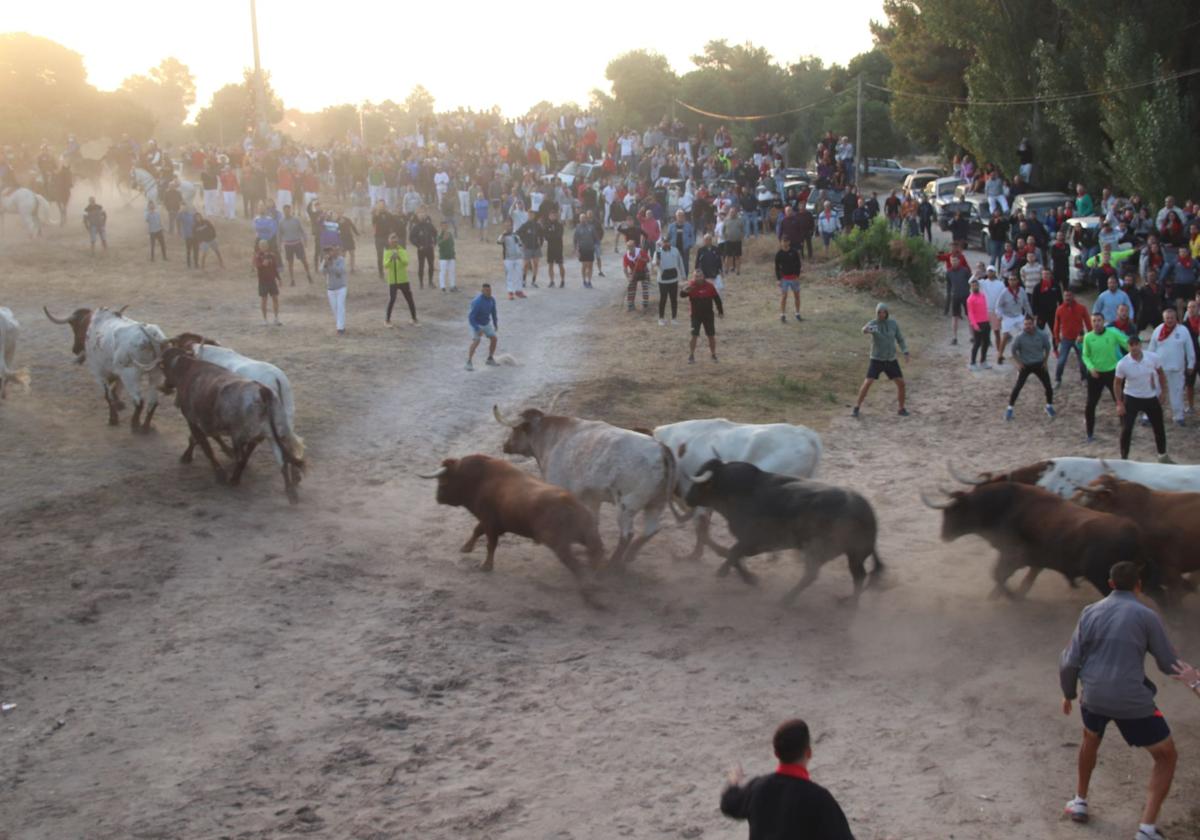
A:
1141,378
992,289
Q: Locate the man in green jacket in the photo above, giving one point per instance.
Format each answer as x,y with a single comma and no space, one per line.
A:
1102,348
885,337
395,270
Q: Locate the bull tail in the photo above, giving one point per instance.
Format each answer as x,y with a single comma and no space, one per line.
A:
294,440
680,515
285,449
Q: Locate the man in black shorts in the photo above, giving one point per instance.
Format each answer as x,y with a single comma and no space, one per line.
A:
587,240
786,803
266,267
885,337
552,232
291,234
703,295
1107,655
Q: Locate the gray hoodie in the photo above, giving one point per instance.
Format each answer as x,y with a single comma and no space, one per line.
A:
885,335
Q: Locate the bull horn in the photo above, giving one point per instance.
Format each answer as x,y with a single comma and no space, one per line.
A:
121,311
960,478
554,400
703,477
438,474
1104,466
716,454
935,505
53,319
500,418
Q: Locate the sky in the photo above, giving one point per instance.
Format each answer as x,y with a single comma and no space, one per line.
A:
470,54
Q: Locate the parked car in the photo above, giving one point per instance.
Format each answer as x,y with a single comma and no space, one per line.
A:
976,220
587,171
817,198
768,196
915,183
1038,203
941,190
885,168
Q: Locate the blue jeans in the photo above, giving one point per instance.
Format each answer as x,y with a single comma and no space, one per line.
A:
752,226
1065,346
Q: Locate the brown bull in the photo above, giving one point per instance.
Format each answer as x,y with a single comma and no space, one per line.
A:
1038,529
215,402
507,500
1170,523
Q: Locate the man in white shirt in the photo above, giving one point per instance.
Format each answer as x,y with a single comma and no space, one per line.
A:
610,195
992,287
1172,343
1141,383
441,183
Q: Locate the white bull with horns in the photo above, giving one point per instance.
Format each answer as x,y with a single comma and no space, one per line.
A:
1064,476
599,463
120,353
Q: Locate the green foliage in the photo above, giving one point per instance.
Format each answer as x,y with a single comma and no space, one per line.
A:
879,247
231,111
167,92
644,83
45,95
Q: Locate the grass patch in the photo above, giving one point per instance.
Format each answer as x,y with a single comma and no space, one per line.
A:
803,373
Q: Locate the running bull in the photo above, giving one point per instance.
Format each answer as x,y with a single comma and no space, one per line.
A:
1036,529
507,500
771,512
216,402
599,463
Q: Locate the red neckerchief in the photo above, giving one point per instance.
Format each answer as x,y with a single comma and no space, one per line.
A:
1194,324
1016,293
796,771
1186,262
1122,324
1166,332
1045,287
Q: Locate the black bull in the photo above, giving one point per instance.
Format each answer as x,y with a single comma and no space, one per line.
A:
771,512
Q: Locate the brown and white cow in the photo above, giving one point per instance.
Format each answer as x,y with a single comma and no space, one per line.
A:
1170,523
216,403
508,500
1036,528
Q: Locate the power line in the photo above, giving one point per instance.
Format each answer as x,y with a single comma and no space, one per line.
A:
1031,100
756,117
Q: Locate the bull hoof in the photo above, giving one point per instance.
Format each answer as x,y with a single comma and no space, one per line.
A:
749,578
119,405
113,420
293,496
185,458
485,566
468,547
723,571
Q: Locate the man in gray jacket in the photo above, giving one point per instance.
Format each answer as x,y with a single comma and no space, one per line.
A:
1107,654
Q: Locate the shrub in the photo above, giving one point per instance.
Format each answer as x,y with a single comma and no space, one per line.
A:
877,247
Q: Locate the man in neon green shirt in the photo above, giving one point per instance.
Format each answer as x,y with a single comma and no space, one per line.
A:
1102,348
395,269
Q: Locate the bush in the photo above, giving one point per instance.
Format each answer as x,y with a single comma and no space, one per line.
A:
877,247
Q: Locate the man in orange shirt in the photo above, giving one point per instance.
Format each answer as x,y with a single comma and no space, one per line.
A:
1071,323
229,190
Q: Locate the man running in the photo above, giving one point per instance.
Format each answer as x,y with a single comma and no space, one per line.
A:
483,320
702,296
1141,385
787,273
885,337
1107,655
1030,351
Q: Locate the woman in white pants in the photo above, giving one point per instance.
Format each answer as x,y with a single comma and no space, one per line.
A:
334,267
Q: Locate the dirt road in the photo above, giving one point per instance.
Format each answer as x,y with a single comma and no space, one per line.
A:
195,661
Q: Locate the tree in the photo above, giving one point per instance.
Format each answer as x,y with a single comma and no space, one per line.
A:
231,112
644,84
167,92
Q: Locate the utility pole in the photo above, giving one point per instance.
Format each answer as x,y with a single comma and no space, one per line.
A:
260,101
858,155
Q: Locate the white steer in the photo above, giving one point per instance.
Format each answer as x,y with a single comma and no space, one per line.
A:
1064,476
9,331
772,447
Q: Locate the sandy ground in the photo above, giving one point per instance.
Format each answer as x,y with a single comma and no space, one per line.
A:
194,661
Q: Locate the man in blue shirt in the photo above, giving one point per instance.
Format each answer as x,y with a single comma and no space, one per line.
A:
483,321
1108,301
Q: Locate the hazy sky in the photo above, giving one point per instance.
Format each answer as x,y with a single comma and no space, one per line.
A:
469,53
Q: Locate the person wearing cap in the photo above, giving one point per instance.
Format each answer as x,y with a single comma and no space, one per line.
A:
992,287
395,262
885,337
786,803
1141,385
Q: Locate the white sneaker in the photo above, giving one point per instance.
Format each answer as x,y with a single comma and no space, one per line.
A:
973,367
1077,810
673,322
1150,834
986,365
661,322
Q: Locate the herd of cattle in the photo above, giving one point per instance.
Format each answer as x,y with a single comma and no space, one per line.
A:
1076,516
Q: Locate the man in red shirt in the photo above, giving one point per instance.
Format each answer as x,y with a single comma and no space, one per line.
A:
703,296
283,186
229,188
1071,323
637,270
